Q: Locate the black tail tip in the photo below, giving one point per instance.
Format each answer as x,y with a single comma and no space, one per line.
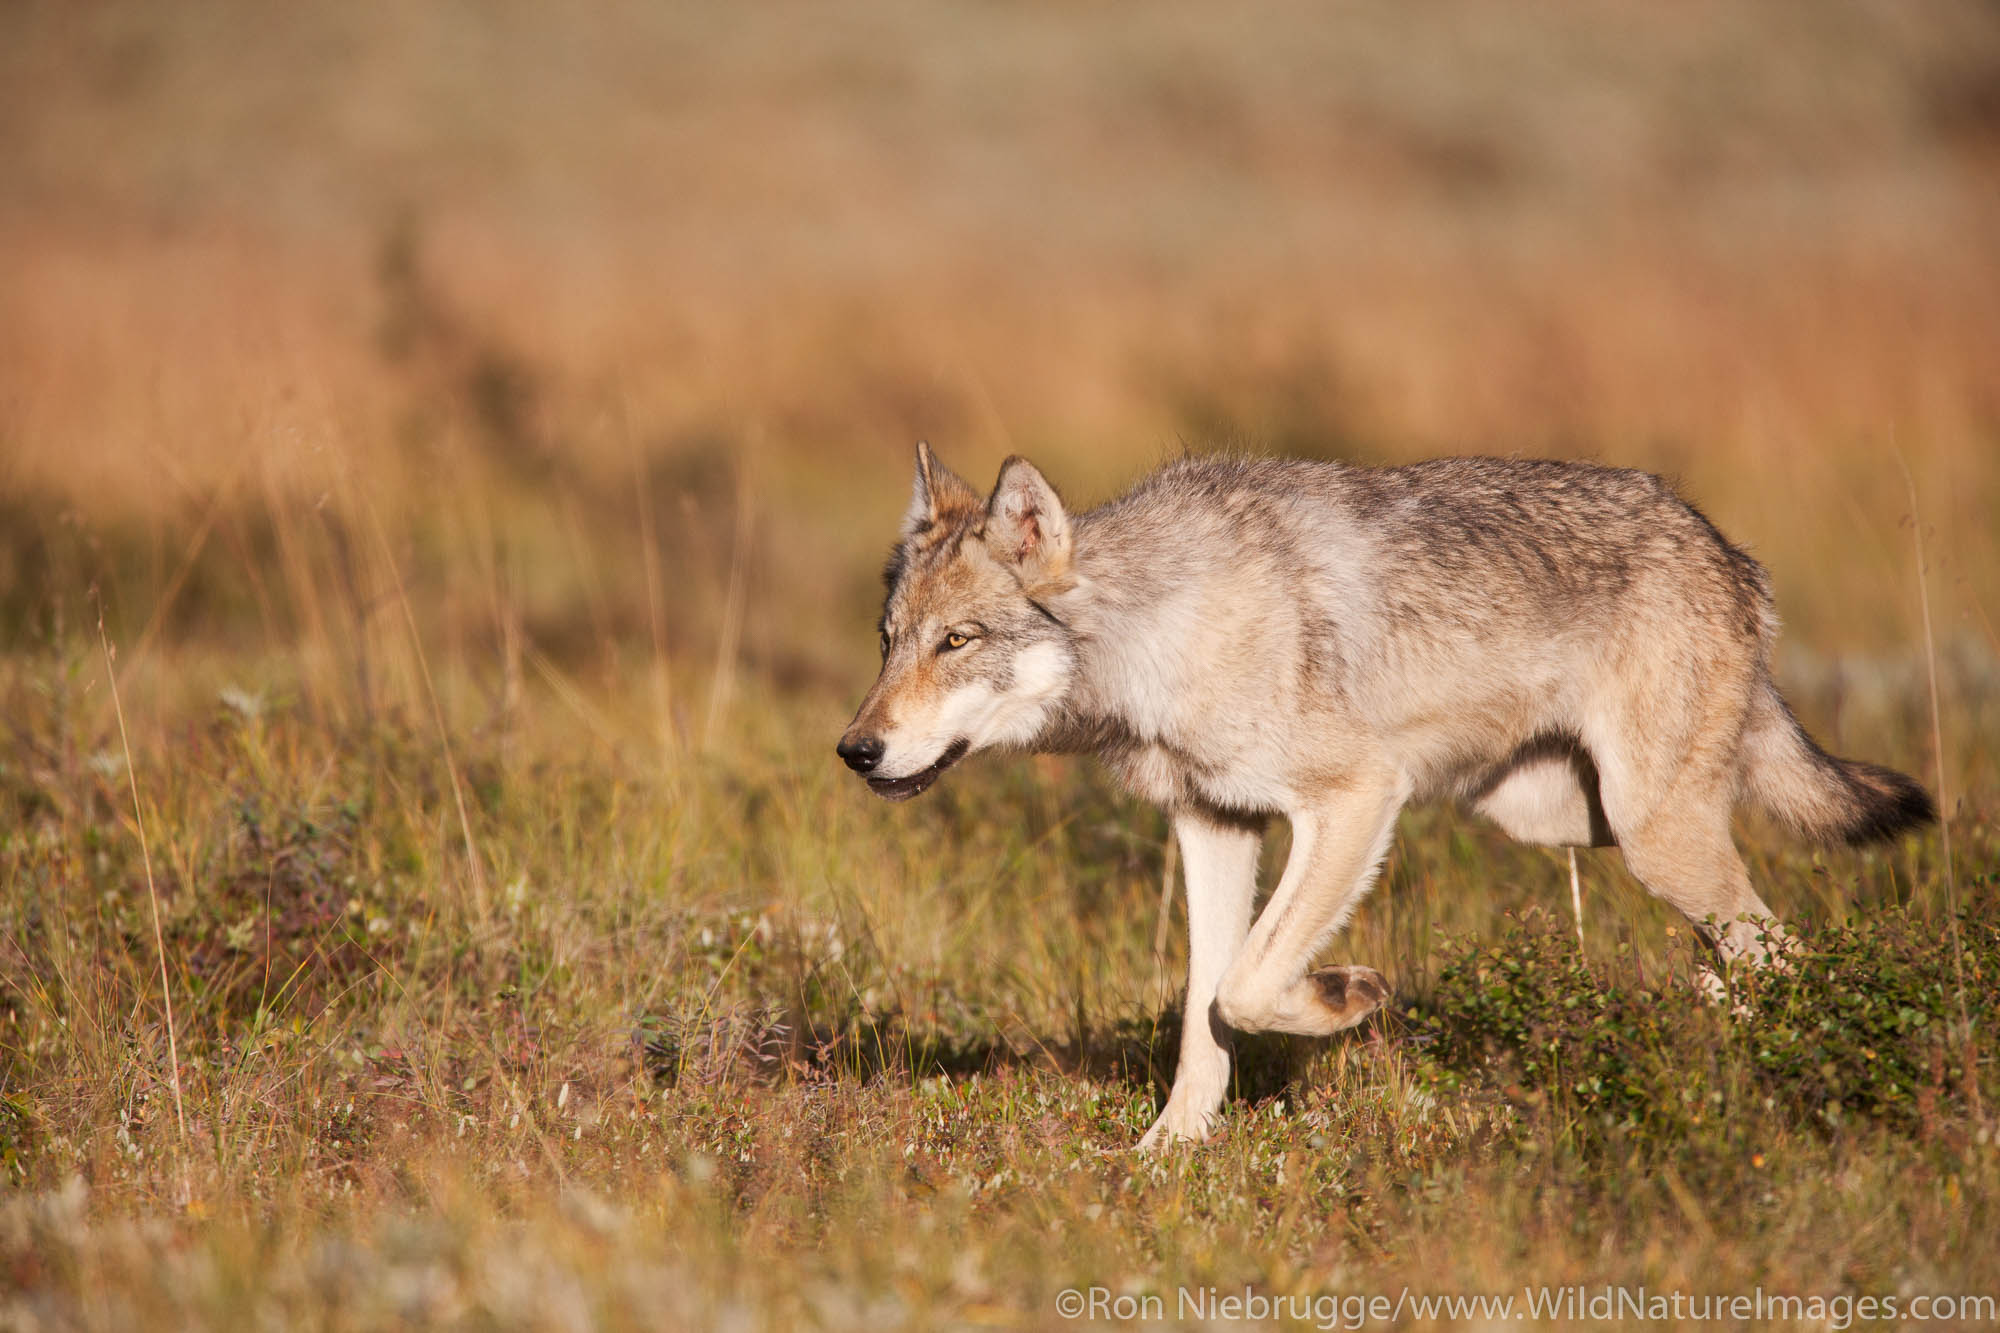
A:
1891,804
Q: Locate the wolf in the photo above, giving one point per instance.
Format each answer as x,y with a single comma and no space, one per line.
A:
1571,650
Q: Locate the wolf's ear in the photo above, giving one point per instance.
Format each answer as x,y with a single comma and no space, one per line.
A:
1025,522
936,493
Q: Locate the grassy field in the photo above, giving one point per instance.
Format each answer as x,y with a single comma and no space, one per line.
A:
446,457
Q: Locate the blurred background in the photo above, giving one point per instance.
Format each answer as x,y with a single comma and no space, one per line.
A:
593,341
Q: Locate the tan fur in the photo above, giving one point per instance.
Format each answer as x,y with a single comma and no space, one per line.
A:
1571,650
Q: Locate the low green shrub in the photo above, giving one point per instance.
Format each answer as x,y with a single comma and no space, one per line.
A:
1882,1018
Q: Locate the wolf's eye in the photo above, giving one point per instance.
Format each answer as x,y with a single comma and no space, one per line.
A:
955,640
885,643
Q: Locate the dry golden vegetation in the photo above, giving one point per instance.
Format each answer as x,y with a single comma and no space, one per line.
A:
476,429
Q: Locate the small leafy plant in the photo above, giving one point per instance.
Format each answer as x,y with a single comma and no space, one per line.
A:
1865,1019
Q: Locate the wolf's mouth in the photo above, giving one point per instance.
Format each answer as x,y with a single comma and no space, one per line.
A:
902,789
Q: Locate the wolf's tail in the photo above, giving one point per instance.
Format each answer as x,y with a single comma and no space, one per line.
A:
1825,798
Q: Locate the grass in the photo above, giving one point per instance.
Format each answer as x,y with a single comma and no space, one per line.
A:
730,1043
481,468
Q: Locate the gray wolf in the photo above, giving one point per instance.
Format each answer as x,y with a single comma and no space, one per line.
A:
1571,650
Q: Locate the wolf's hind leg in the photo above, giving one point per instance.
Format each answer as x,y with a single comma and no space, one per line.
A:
1220,860
1337,844
1683,853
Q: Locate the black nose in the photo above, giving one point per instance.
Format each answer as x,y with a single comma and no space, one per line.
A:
860,753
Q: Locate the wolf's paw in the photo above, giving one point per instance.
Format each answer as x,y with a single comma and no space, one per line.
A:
1176,1126
1349,992
1708,984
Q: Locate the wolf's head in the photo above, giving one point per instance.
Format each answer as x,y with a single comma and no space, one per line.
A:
971,655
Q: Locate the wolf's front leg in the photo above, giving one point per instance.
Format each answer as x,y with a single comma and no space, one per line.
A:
1337,845
1220,860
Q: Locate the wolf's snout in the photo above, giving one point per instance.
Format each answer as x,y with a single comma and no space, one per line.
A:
860,753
